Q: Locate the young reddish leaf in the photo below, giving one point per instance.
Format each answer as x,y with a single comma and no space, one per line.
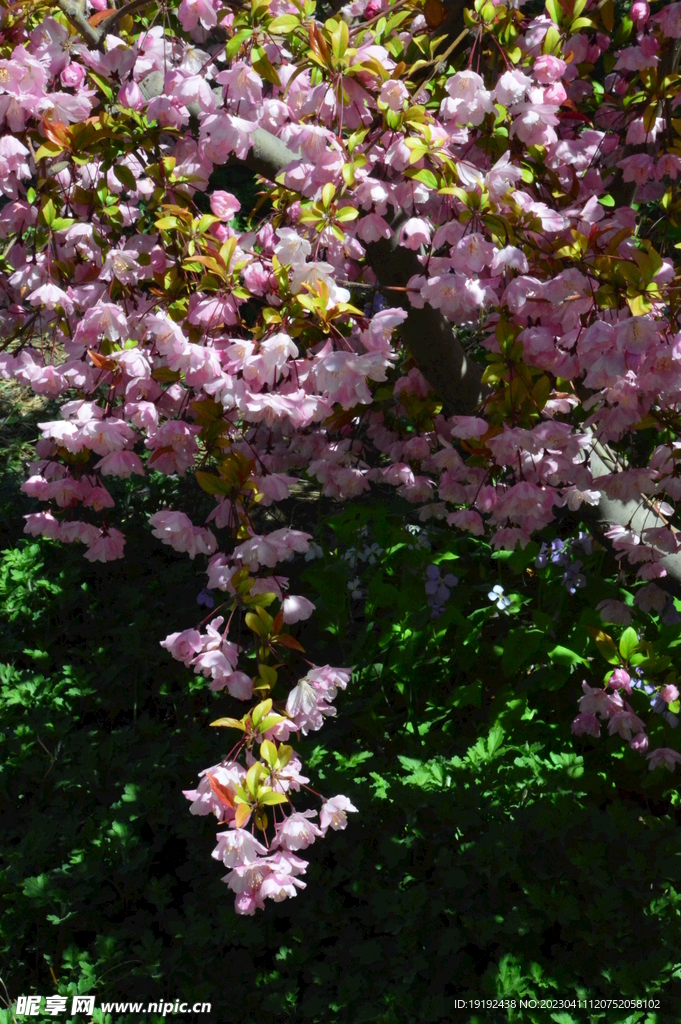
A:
223,794
286,640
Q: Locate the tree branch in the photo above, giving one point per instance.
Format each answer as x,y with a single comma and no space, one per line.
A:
74,12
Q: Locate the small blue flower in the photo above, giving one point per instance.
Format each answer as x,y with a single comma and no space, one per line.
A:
573,579
206,598
542,559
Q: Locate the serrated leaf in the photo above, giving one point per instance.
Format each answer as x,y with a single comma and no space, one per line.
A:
347,213
260,600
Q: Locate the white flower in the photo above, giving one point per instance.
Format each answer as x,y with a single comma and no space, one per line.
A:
496,596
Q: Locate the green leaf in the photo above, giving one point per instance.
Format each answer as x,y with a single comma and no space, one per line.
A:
48,213
628,643
235,43
270,798
125,176
564,656
494,739
260,710
210,483
284,24
605,645
255,624
554,11
102,83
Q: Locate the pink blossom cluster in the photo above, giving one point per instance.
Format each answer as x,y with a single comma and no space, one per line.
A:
257,872
609,705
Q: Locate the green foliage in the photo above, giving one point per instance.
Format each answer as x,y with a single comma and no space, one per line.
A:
495,856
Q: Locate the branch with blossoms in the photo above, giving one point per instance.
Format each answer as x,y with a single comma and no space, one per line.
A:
443,294
633,679
256,781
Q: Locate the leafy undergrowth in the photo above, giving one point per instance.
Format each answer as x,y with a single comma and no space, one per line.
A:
495,856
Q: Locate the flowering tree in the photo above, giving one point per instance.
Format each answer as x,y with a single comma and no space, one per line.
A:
458,281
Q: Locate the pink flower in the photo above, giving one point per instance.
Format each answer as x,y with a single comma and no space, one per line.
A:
236,847
372,227
72,76
669,20
625,723
50,296
467,519
183,646
637,168
468,100
669,693
639,742
120,463
548,69
131,97
334,813
415,233
42,524
280,886
75,530
512,87
297,832
248,902
586,725
107,547
242,88
224,205
394,94
599,702
238,684
104,436
640,12
296,609
620,680
664,755
277,546
177,530
194,12
204,798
